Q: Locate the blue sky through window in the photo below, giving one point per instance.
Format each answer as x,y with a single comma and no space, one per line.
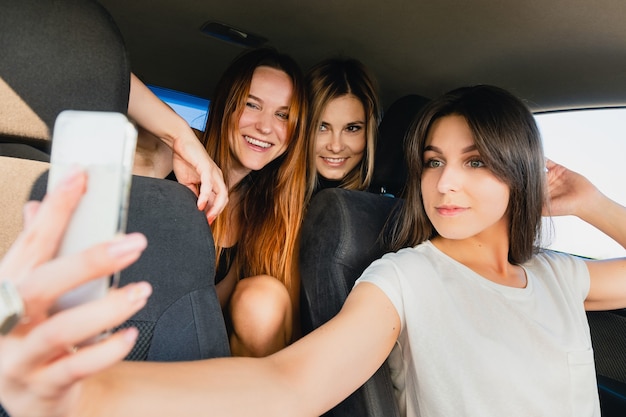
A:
192,108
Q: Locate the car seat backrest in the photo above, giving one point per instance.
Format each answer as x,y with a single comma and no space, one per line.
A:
340,238
56,55
182,319
390,172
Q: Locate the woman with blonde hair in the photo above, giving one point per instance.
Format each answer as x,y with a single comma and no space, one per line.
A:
343,120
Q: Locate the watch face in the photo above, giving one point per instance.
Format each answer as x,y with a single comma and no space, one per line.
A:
11,307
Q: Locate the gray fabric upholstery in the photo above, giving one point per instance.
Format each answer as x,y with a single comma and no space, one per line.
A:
608,336
340,238
180,264
63,54
182,319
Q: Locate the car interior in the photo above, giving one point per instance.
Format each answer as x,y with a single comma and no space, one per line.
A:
557,55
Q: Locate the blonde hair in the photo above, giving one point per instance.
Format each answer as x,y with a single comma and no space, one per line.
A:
331,79
273,198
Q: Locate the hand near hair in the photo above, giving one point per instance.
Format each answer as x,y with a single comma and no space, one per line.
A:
570,193
191,163
40,372
197,171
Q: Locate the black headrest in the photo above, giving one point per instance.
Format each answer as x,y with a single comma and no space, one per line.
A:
390,171
339,239
63,54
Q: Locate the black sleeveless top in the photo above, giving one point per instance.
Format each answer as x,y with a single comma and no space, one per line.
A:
227,257
323,183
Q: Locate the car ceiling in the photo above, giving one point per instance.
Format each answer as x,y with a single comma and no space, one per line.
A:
556,54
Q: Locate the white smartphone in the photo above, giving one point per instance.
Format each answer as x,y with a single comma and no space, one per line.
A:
103,144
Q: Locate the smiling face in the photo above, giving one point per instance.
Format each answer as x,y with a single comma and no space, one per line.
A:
341,140
462,197
261,134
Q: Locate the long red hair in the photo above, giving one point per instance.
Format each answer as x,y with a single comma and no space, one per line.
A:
273,197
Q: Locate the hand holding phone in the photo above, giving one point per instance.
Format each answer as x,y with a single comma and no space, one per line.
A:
103,144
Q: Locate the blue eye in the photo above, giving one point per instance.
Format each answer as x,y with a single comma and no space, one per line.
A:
433,163
476,163
283,115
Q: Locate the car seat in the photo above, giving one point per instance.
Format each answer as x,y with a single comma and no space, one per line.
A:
390,170
608,337
340,238
183,318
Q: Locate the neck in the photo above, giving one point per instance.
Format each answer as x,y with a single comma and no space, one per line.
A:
235,176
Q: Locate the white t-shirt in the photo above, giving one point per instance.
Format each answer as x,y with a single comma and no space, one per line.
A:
471,347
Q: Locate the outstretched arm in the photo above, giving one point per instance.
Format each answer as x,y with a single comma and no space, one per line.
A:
573,194
192,165
304,379
41,375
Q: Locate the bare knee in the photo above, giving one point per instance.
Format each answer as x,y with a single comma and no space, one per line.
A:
261,315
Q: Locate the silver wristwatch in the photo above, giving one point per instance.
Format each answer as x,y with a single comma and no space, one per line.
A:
11,307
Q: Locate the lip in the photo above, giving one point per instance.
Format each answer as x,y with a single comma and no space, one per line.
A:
450,211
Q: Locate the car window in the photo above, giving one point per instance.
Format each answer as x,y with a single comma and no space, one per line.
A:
192,108
593,143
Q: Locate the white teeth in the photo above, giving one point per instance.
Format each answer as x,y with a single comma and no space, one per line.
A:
257,142
335,160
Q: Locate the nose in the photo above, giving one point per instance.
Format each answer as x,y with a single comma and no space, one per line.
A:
264,123
450,179
335,144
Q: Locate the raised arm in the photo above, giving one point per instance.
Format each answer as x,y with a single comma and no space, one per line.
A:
573,194
304,379
192,165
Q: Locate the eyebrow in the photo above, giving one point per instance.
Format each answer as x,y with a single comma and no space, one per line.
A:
255,98
252,96
467,149
355,122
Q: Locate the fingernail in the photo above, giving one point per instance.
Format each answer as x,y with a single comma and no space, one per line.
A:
139,291
211,219
125,244
130,335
